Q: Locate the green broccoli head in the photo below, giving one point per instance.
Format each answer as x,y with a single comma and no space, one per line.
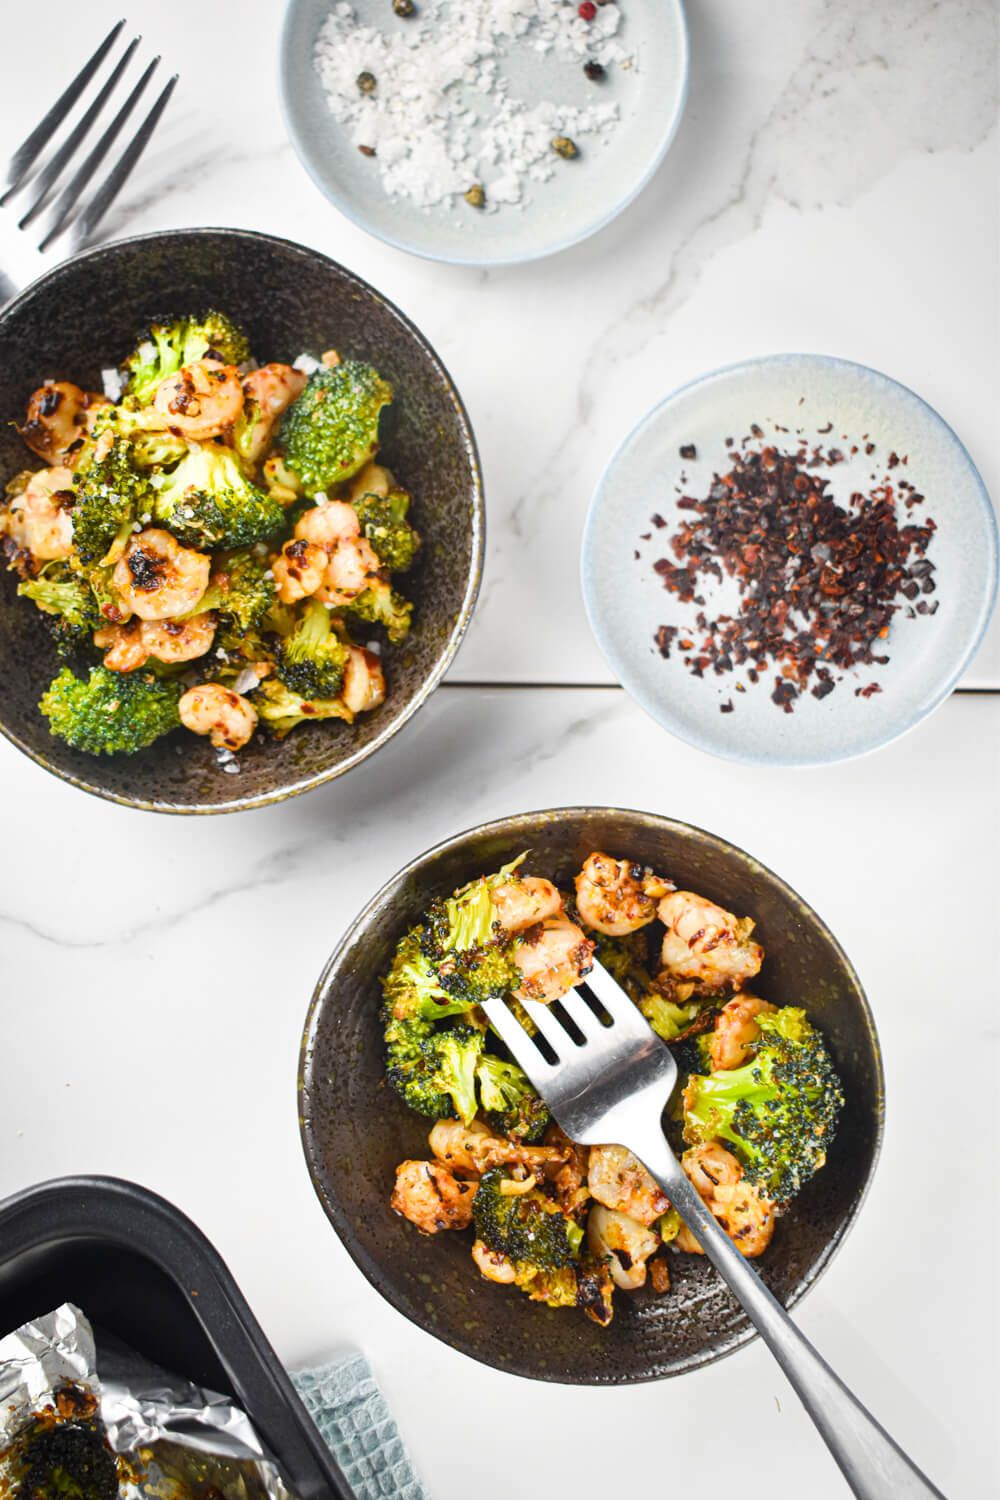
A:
331,430
65,595
207,501
587,1286
667,1019
437,1077
511,1103
169,346
471,952
312,659
282,710
110,496
383,522
110,713
242,590
411,987
527,1227
379,604
778,1112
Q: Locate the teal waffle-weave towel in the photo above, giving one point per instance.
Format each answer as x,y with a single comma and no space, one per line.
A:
357,1426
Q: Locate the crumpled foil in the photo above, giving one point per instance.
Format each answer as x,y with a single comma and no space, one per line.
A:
178,1439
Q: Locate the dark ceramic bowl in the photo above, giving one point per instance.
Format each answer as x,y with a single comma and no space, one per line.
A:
355,1130
86,315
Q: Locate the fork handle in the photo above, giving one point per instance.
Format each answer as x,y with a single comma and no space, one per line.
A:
873,1465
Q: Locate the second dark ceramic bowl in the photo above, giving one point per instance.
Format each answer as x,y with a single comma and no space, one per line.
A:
355,1130
84,316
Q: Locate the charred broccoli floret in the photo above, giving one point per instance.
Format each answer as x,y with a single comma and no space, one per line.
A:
438,1077
169,346
412,989
311,660
281,709
511,1103
67,596
110,713
110,497
383,522
331,430
207,501
66,1460
778,1112
587,1286
240,590
667,1019
380,604
524,1226
471,951
627,959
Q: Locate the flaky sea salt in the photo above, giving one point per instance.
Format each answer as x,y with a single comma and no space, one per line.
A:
443,114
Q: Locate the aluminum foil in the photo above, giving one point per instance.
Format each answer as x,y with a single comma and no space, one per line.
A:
176,1440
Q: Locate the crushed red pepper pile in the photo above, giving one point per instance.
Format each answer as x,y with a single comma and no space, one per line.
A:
819,582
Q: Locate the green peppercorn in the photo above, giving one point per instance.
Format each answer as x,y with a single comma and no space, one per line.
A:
475,195
563,146
594,70
403,8
366,83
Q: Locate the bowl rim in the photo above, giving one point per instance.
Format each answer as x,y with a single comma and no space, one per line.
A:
41,285
341,201
508,1361
657,709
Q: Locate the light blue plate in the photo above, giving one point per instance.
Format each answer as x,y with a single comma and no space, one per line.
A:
626,601
575,203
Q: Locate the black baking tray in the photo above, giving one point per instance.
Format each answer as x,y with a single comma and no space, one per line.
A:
144,1272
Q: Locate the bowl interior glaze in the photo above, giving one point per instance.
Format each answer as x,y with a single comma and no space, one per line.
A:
355,1130
86,315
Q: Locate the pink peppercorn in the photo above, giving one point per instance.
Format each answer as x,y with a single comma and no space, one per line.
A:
587,11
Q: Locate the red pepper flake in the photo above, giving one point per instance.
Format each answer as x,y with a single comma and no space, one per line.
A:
587,11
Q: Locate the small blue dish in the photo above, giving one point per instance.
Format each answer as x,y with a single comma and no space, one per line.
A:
787,395
575,203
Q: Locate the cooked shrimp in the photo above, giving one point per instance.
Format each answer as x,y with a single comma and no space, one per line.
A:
267,392
523,901
353,567
736,1030
474,1148
228,719
58,418
429,1196
373,479
493,1264
619,1180
328,523
552,957
131,645
124,648
202,400
706,946
39,518
158,578
625,1242
616,896
299,570
363,687
747,1218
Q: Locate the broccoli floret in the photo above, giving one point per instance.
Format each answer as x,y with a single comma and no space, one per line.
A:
667,1019
207,501
331,430
587,1286
383,522
281,709
311,660
438,1077
412,988
169,346
379,604
67,1459
526,1227
511,1103
110,713
778,1112
240,589
67,597
110,496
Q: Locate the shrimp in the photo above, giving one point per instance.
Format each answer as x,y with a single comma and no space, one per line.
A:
328,523
616,896
705,947
624,1242
493,1264
299,570
619,1180
267,392
202,400
363,687
130,646
158,578
569,1179
552,957
39,517
353,567
58,417
523,901
474,1148
736,1030
747,1218
228,719
429,1196
373,479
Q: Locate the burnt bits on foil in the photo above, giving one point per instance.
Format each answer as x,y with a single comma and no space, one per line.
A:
130,1428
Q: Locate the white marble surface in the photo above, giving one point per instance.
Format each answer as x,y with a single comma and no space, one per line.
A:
832,188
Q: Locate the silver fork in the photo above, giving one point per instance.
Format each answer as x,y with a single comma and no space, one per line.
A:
609,1084
24,169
